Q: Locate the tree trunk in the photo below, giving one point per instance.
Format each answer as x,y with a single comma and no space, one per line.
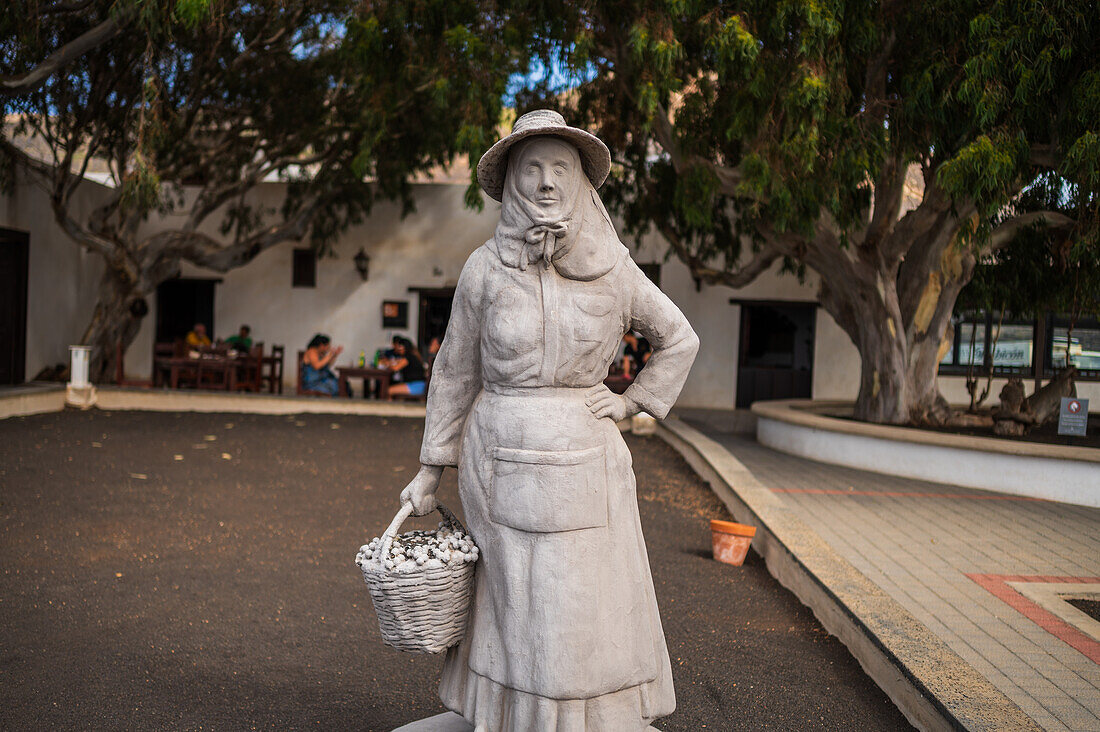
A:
899,363
885,393
865,305
929,279
115,321
927,405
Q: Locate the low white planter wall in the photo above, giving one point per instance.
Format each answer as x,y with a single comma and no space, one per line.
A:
22,401
1052,472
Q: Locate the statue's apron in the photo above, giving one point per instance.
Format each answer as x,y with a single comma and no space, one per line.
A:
564,606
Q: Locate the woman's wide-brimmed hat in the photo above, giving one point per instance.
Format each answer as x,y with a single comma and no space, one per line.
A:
595,157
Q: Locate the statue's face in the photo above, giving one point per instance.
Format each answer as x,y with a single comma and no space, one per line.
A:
548,174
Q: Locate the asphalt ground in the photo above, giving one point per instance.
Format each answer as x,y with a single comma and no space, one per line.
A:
195,571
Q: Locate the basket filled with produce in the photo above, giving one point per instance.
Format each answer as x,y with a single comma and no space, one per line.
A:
421,582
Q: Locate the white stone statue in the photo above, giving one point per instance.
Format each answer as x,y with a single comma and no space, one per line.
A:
564,632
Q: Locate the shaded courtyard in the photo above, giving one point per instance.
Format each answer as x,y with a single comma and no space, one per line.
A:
167,570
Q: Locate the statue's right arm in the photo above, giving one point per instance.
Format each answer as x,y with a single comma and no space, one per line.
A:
455,380
421,489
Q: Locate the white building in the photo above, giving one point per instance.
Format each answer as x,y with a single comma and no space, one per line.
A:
766,340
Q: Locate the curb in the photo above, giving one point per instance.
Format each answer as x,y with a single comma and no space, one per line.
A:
166,400
932,686
23,401
41,399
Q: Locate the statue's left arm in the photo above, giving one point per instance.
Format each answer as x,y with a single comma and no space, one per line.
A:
674,345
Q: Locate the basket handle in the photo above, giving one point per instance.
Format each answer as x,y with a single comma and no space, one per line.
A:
406,511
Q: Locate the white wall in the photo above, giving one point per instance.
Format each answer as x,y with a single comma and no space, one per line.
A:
62,277
713,379
442,233
836,361
403,253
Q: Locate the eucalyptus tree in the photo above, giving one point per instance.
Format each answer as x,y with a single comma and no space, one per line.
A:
882,144
193,104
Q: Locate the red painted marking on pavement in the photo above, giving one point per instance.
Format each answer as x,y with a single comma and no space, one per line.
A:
997,585
917,494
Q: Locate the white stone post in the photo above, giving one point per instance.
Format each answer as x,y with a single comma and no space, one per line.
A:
79,392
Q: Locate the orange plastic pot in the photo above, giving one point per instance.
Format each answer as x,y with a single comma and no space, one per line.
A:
730,541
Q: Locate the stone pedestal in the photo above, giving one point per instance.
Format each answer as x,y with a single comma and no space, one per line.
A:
446,722
82,397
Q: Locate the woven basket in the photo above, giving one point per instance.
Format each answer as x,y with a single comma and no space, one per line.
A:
423,611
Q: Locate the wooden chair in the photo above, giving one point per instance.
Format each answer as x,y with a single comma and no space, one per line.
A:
271,370
161,350
250,376
301,368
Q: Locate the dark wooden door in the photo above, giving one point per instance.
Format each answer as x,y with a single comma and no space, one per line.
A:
14,250
435,312
776,353
182,303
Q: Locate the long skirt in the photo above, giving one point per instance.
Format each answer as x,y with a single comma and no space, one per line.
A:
564,631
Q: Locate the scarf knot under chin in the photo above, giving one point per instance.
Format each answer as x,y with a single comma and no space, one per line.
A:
542,242
576,240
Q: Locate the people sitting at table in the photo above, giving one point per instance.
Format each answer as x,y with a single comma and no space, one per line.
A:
408,364
198,338
242,341
636,352
317,373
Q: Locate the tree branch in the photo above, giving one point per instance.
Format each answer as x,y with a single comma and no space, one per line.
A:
740,277
206,251
889,188
918,223
874,81
1007,230
729,179
666,137
47,175
60,58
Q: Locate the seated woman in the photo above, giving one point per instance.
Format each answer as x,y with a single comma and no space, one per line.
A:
197,338
408,363
316,374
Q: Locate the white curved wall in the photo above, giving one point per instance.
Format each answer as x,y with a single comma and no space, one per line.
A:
1068,481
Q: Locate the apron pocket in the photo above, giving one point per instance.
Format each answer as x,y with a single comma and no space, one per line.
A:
549,490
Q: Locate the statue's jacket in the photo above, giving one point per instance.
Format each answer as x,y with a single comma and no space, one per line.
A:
564,607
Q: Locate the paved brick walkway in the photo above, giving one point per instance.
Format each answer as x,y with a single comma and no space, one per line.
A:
966,563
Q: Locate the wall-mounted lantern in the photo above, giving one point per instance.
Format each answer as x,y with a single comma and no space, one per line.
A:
362,264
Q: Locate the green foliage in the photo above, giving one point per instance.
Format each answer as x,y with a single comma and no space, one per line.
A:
345,101
785,94
1039,270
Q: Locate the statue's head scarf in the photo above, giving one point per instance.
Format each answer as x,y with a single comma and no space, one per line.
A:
576,237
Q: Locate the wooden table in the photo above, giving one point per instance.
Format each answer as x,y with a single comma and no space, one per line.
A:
367,374
176,366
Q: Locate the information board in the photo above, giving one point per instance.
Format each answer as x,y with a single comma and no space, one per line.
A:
1073,418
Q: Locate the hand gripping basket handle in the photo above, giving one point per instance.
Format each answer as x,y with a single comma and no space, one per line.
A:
404,513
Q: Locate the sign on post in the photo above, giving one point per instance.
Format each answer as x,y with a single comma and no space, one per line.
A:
1073,418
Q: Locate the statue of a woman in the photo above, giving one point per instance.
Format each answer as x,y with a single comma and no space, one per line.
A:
564,632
